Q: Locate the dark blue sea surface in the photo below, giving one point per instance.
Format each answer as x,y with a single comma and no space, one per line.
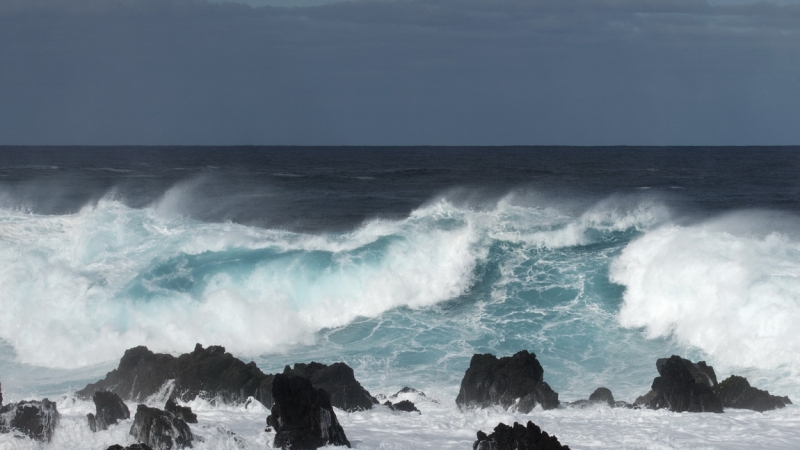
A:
402,262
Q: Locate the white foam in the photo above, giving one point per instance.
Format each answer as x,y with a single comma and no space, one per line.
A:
550,228
443,426
730,287
66,278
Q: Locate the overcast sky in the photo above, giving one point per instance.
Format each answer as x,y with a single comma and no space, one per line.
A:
436,72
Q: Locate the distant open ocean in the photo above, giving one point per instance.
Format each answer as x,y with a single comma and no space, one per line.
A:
403,263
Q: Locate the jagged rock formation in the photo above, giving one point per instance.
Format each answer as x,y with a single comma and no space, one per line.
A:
302,415
736,392
109,409
682,386
1,395
35,419
183,412
687,386
209,373
339,382
160,430
517,437
404,405
515,380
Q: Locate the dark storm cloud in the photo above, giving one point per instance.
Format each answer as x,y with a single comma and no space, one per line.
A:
403,72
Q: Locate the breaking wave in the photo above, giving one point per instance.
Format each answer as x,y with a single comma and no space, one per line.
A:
81,288
728,286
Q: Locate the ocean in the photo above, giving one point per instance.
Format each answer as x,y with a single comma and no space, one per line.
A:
403,263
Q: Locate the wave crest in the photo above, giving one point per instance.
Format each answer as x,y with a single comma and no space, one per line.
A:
83,287
730,287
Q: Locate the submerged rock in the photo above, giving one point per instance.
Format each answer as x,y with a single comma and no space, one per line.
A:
644,401
511,380
159,429
407,391
736,392
404,405
183,412
110,409
209,373
517,437
602,395
682,386
36,419
339,382
700,371
302,415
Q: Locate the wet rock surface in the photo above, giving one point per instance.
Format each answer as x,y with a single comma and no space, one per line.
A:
404,405
602,395
700,371
511,380
160,430
209,373
109,408
35,419
302,416
682,387
410,392
183,412
339,381
517,437
736,392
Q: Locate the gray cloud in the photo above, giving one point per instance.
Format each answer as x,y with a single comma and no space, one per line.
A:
403,72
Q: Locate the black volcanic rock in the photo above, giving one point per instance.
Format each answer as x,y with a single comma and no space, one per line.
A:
184,412
507,381
302,415
404,405
159,429
338,381
517,437
209,373
602,395
36,419
701,372
736,392
678,389
110,409
644,401
411,391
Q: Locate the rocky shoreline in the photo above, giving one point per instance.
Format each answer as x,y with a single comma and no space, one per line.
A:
302,398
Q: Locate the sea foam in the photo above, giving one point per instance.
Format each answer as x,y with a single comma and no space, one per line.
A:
82,288
728,286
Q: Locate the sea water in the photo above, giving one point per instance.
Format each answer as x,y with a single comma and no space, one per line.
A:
403,263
